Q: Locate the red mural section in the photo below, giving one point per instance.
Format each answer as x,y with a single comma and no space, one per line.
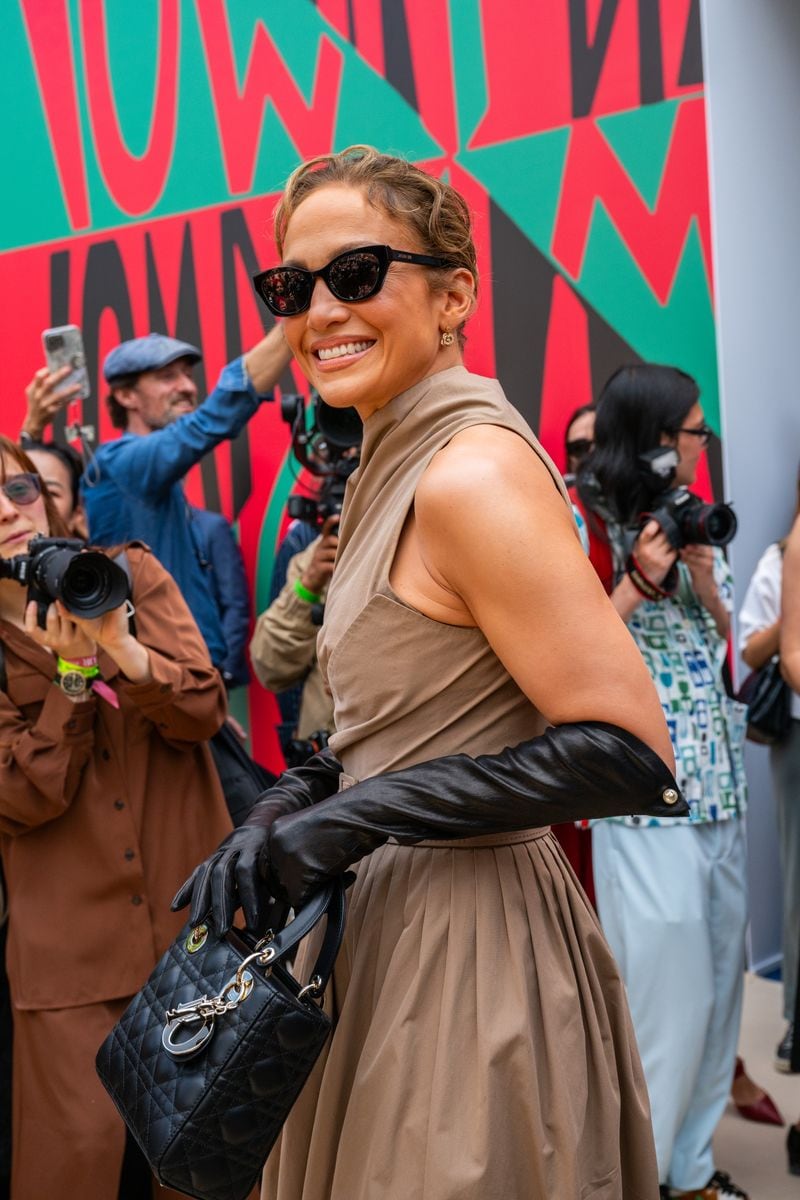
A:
655,238
545,67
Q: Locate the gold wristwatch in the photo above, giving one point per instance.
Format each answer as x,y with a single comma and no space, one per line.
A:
74,684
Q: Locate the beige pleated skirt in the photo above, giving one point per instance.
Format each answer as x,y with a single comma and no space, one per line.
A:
483,1048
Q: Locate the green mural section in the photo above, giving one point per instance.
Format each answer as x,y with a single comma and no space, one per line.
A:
525,176
641,139
522,175
366,109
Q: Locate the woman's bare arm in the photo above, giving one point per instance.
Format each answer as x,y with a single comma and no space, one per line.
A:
761,646
790,608
492,543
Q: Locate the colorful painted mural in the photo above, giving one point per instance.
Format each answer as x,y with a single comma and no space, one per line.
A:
147,143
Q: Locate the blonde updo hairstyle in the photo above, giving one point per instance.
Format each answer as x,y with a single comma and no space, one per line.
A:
432,210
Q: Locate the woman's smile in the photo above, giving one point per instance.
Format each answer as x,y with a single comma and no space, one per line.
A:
332,354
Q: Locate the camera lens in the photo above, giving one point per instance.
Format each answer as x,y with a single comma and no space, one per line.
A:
709,525
92,585
86,582
721,525
84,587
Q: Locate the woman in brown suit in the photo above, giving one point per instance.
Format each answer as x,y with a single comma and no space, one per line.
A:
107,796
483,686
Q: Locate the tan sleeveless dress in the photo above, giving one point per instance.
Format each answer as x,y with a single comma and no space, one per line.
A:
483,1049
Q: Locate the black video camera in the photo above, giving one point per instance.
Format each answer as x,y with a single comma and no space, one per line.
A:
316,510
327,446
683,517
87,582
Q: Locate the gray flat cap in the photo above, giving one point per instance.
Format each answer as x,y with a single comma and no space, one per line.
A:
146,354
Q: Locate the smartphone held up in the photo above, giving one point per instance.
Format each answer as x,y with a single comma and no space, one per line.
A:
63,347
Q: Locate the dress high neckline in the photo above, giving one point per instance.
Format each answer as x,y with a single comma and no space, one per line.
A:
388,418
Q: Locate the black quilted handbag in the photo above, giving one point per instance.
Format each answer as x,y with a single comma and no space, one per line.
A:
209,1057
768,698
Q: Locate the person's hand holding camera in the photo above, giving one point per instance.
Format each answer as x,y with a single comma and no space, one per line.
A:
112,633
650,571
700,561
317,574
62,632
654,552
74,638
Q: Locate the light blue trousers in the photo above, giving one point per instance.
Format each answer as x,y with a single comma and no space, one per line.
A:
672,901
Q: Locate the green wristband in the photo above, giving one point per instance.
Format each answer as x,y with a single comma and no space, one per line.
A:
63,667
305,594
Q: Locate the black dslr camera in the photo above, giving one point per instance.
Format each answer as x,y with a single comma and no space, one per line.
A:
682,516
87,582
327,446
299,750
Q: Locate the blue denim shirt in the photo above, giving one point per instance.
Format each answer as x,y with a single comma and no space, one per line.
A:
228,580
134,490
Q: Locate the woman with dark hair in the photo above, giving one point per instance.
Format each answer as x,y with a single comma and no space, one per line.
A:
107,796
578,440
482,1046
61,468
640,408
672,895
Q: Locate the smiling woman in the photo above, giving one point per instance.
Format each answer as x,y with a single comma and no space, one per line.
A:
462,620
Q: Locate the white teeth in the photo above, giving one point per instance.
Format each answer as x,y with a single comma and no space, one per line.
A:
343,348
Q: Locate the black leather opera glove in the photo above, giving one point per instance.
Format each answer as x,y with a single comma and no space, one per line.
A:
231,877
571,772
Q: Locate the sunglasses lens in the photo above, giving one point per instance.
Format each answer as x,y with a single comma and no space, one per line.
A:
22,490
285,290
355,276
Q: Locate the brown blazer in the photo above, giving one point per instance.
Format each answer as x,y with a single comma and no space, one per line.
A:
105,811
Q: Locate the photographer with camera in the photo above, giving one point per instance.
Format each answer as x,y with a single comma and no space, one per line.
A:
672,896
107,797
283,650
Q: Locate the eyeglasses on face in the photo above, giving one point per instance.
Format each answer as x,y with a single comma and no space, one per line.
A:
701,431
579,447
22,489
352,276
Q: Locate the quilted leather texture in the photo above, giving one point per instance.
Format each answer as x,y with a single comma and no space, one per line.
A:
206,1124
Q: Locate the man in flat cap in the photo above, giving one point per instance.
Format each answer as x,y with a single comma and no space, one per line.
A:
133,489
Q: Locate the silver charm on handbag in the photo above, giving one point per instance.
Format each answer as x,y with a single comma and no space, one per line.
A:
206,1010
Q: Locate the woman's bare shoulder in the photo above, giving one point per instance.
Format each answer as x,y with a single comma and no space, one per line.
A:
483,471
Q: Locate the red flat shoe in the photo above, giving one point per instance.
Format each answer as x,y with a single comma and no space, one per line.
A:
764,1111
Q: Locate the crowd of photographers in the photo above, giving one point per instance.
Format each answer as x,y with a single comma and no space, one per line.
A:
671,895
